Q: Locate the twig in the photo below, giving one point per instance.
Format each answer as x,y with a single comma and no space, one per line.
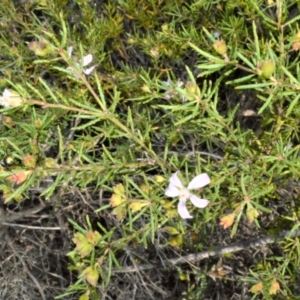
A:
27,270
136,270
9,217
192,153
6,218
30,227
211,253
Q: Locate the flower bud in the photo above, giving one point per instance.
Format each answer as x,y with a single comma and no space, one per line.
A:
257,288
165,27
82,245
8,121
252,213
266,69
220,47
29,161
274,287
297,37
159,178
116,200
93,237
50,163
91,275
145,88
85,296
296,46
38,123
19,177
296,43
227,221
192,88
41,48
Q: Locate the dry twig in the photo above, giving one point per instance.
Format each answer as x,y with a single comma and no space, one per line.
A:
211,253
27,270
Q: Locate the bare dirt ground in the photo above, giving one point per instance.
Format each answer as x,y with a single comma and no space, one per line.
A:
36,238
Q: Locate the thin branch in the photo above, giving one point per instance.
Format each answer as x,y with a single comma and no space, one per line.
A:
43,297
211,253
9,217
30,227
192,153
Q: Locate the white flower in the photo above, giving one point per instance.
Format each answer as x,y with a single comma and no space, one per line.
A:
83,62
176,189
10,99
216,34
169,94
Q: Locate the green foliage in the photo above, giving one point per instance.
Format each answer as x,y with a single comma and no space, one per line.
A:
168,94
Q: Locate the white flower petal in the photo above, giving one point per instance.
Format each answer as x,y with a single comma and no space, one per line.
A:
201,203
217,34
86,60
172,191
7,92
182,210
175,180
167,83
10,99
89,70
179,83
199,181
70,50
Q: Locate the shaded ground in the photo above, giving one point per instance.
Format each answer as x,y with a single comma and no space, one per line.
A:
34,262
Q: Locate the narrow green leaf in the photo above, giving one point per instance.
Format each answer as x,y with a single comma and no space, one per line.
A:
254,86
76,226
290,76
245,60
266,104
292,105
215,59
49,90
256,43
240,80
